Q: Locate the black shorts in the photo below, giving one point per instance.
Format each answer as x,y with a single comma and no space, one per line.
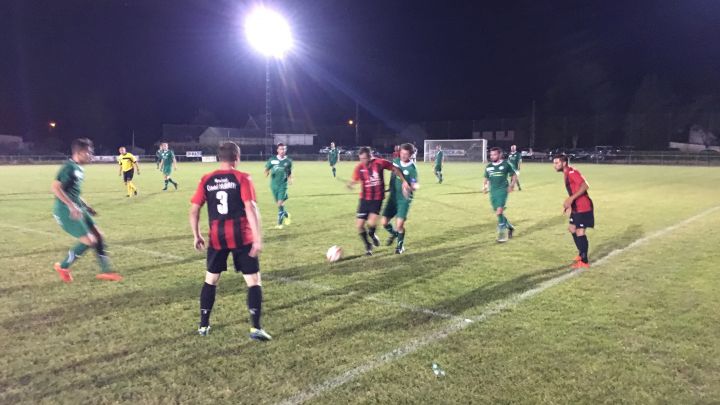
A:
217,260
583,219
128,175
367,207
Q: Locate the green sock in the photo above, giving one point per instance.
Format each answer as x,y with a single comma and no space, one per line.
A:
390,230
73,254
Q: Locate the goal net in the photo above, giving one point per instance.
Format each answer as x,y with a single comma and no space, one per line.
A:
469,150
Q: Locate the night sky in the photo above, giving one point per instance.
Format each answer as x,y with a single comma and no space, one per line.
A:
106,66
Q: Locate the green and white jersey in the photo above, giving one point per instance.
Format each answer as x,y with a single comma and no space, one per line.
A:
498,174
333,156
515,158
439,158
167,157
409,170
280,170
71,176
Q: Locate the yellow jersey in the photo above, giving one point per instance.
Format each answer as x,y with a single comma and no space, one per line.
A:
126,161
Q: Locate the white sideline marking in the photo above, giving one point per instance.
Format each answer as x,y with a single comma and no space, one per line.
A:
418,343
285,280
149,252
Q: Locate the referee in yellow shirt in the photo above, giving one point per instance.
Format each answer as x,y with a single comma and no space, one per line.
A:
128,164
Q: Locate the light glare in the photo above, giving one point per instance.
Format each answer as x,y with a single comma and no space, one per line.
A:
268,32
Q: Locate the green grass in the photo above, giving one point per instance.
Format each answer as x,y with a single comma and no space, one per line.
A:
641,327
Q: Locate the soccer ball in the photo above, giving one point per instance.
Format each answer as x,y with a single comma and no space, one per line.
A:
334,254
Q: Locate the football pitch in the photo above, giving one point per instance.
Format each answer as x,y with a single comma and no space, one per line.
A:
507,323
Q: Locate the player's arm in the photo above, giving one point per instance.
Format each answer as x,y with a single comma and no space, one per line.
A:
56,187
513,181
120,167
174,162
199,242
407,188
137,165
87,207
584,186
486,183
289,174
355,178
252,213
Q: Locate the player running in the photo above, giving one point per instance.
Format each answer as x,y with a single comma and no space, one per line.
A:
280,170
128,164
74,215
398,204
370,172
580,207
168,162
333,157
234,229
439,162
515,159
496,176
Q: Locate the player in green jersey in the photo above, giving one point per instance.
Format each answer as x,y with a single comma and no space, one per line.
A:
74,215
515,159
279,168
168,163
398,205
496,176
333,157
439,162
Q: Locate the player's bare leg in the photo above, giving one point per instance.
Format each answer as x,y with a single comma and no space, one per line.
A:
254,302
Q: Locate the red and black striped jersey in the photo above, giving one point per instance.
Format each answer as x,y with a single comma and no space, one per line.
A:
227,193
372,178
573,181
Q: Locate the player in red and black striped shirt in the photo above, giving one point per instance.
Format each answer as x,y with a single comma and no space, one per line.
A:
580,207
370,172
234,229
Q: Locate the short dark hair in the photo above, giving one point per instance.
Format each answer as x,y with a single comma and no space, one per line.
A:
365,150
562,157
229,152
279,145
81,144
408,147
496,149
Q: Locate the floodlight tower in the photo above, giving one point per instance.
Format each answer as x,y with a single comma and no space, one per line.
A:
269,33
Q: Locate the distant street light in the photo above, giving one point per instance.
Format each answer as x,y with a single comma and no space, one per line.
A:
52,124
351,122
269,33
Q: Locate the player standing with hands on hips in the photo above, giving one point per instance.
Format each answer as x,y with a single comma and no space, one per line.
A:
579,206
234,229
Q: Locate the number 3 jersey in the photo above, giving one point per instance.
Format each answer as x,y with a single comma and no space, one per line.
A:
228,193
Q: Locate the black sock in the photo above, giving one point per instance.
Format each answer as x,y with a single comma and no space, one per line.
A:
207,300
173,182
100,251
577,243
254,302
584,245
166,182
371,231
364,237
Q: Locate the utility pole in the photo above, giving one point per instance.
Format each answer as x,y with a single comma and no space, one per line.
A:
532,126
357,123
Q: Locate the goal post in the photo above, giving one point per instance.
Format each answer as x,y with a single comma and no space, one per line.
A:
466,150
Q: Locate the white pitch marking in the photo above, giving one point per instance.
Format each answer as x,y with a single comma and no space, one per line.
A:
149,252
418,343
